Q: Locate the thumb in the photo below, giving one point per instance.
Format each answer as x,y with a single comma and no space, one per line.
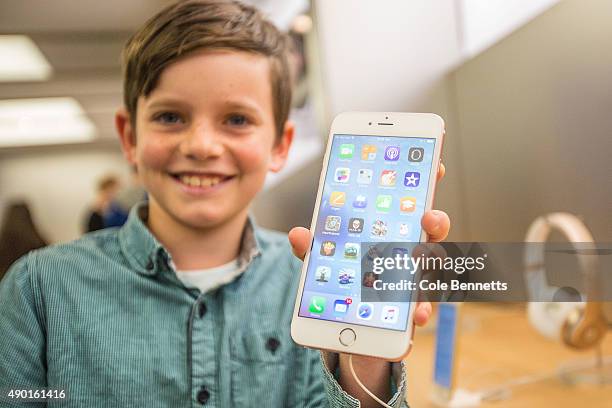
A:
299,237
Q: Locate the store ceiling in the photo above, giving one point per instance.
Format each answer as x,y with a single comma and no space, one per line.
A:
82,42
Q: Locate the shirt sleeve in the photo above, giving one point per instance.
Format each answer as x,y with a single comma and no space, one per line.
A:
22,343
337,397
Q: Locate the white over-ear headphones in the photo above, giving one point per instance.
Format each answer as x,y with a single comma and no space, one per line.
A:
578,324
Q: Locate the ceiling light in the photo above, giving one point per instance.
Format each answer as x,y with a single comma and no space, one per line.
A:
43,121
21,60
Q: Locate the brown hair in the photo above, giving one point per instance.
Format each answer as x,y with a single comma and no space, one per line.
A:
107,182
194,25
18,235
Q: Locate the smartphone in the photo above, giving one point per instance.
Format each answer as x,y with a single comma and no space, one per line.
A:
378,179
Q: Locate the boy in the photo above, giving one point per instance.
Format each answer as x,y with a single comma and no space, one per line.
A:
188,304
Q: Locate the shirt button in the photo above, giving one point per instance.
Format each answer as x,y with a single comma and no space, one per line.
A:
203,396
272,344
202,309
150,265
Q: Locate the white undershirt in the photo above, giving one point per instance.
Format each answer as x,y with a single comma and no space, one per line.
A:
210,278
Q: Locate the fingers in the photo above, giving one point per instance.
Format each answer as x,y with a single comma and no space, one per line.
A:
422,313
299,237
441,171
437,224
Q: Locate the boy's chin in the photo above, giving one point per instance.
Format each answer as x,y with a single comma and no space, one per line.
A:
196,216
203,219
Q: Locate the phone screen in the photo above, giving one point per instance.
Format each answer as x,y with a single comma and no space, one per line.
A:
375,189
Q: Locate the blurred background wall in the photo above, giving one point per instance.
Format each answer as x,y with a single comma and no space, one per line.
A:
524,91
533,115
58,185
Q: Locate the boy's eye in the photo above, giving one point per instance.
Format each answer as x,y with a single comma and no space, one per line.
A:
237,120
168,117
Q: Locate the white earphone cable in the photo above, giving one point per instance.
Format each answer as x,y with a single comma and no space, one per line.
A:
363,387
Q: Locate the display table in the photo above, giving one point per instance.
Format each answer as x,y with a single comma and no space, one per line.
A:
496,345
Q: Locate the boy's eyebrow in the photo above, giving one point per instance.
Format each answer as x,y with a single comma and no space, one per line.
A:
243,104
166,102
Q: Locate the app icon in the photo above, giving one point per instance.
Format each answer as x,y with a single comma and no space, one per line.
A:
332,223
346,276
412,178
365,311
337,198
403,254
361,201
379,228
355,225
341,306
383,203
407,204
351,250
328,248
317,304
392,153
390,314
415,154
342,175
368,279
400,251
387,178
404,229
364,176
323,273
346,151
368,152
373,253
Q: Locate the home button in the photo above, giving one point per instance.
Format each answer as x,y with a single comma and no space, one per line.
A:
347,337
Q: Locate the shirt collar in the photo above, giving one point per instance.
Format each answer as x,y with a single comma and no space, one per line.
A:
146,254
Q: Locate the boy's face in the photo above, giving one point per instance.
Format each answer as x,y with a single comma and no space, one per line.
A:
206,137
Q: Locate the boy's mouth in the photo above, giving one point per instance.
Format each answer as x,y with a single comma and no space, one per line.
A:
200,180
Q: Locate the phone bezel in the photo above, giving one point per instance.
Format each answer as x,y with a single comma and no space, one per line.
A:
371,341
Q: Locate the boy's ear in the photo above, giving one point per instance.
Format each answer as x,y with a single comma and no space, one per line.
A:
280,150
127,136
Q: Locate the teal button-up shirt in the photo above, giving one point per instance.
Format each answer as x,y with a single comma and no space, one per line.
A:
106,319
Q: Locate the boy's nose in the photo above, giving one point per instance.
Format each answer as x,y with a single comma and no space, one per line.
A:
201,143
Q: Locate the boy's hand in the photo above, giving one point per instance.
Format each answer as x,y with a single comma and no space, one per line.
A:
436,223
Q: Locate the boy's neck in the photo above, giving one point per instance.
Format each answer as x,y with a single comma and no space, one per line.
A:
197,248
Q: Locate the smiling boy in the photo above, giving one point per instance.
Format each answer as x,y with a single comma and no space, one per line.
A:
189,304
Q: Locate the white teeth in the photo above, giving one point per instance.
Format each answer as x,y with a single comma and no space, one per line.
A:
203,181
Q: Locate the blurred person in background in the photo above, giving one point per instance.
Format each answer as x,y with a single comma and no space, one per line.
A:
18,235
125,199
107,189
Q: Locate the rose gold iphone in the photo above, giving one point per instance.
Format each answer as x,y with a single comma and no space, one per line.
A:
378,179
